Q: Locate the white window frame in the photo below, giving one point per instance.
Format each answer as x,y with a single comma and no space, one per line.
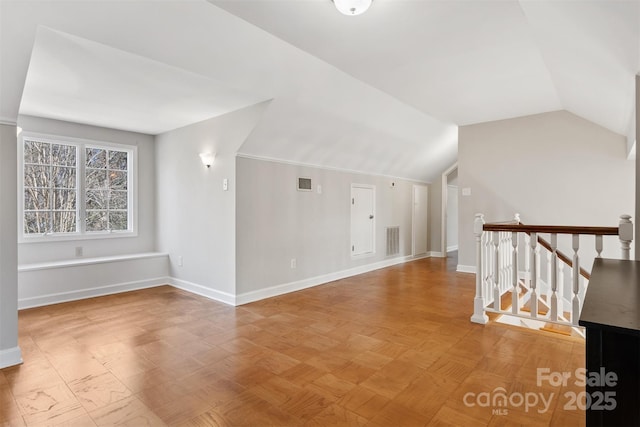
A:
81,234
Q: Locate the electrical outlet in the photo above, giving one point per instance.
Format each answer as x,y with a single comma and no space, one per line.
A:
79,251
180,261
294,263
319,188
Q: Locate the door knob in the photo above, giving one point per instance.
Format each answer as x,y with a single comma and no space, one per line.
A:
370,216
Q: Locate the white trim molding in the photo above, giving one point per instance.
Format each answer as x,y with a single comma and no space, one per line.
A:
299,285
207,292
329,168
435,254
203,291
100,291
10,357
8,121
452,248
466,268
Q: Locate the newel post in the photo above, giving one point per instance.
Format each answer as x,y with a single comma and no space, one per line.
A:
625,233
479,315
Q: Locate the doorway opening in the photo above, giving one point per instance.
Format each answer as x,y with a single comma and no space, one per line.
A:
449,226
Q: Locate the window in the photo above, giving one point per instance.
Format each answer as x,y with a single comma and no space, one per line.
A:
106,189
76,189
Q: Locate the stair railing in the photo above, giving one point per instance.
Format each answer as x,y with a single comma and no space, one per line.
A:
502,247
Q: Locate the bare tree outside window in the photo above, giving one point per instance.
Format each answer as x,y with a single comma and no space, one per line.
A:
49,188
64,183
106,189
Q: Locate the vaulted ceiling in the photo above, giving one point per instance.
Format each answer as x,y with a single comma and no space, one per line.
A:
467,62
378,93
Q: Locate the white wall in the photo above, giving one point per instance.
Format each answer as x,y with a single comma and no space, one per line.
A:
30,253
9,350
276,223
52,283
552,168
196,217
452,217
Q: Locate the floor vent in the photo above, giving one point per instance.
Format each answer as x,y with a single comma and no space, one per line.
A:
393,240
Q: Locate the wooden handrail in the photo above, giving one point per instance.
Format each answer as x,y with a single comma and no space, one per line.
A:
552,229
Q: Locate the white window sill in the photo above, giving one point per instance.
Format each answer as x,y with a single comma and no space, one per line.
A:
89,261
49,238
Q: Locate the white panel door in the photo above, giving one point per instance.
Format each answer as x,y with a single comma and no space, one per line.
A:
363,219
420,219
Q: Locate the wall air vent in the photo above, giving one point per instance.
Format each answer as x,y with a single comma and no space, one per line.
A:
304,184
393,240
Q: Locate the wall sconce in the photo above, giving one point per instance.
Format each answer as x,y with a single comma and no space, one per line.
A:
207,159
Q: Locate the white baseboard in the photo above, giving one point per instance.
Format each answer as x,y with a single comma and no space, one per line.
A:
299,285
194,288
436,254
224,297
452,248
90,292
466,268
10,357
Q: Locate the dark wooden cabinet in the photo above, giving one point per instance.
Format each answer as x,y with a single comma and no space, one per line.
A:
611,316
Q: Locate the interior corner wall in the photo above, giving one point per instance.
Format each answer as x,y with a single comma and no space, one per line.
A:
9,350
277,223
195,214
33,253
552,168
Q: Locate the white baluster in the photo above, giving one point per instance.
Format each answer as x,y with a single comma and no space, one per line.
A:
549,257
599,245
560,286
488,262
553,277
496,271
625,234
538,263
479,315
575,313
506,262
533,260
527,266
515,301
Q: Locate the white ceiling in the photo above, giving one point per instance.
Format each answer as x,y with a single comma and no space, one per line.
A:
474,61
378,93
78,80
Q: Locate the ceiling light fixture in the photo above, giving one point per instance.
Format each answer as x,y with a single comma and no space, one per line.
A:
352,7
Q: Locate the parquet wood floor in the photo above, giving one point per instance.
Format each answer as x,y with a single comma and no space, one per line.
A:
393,347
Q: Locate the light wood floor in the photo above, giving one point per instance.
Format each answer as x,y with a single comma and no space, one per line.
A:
390,348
